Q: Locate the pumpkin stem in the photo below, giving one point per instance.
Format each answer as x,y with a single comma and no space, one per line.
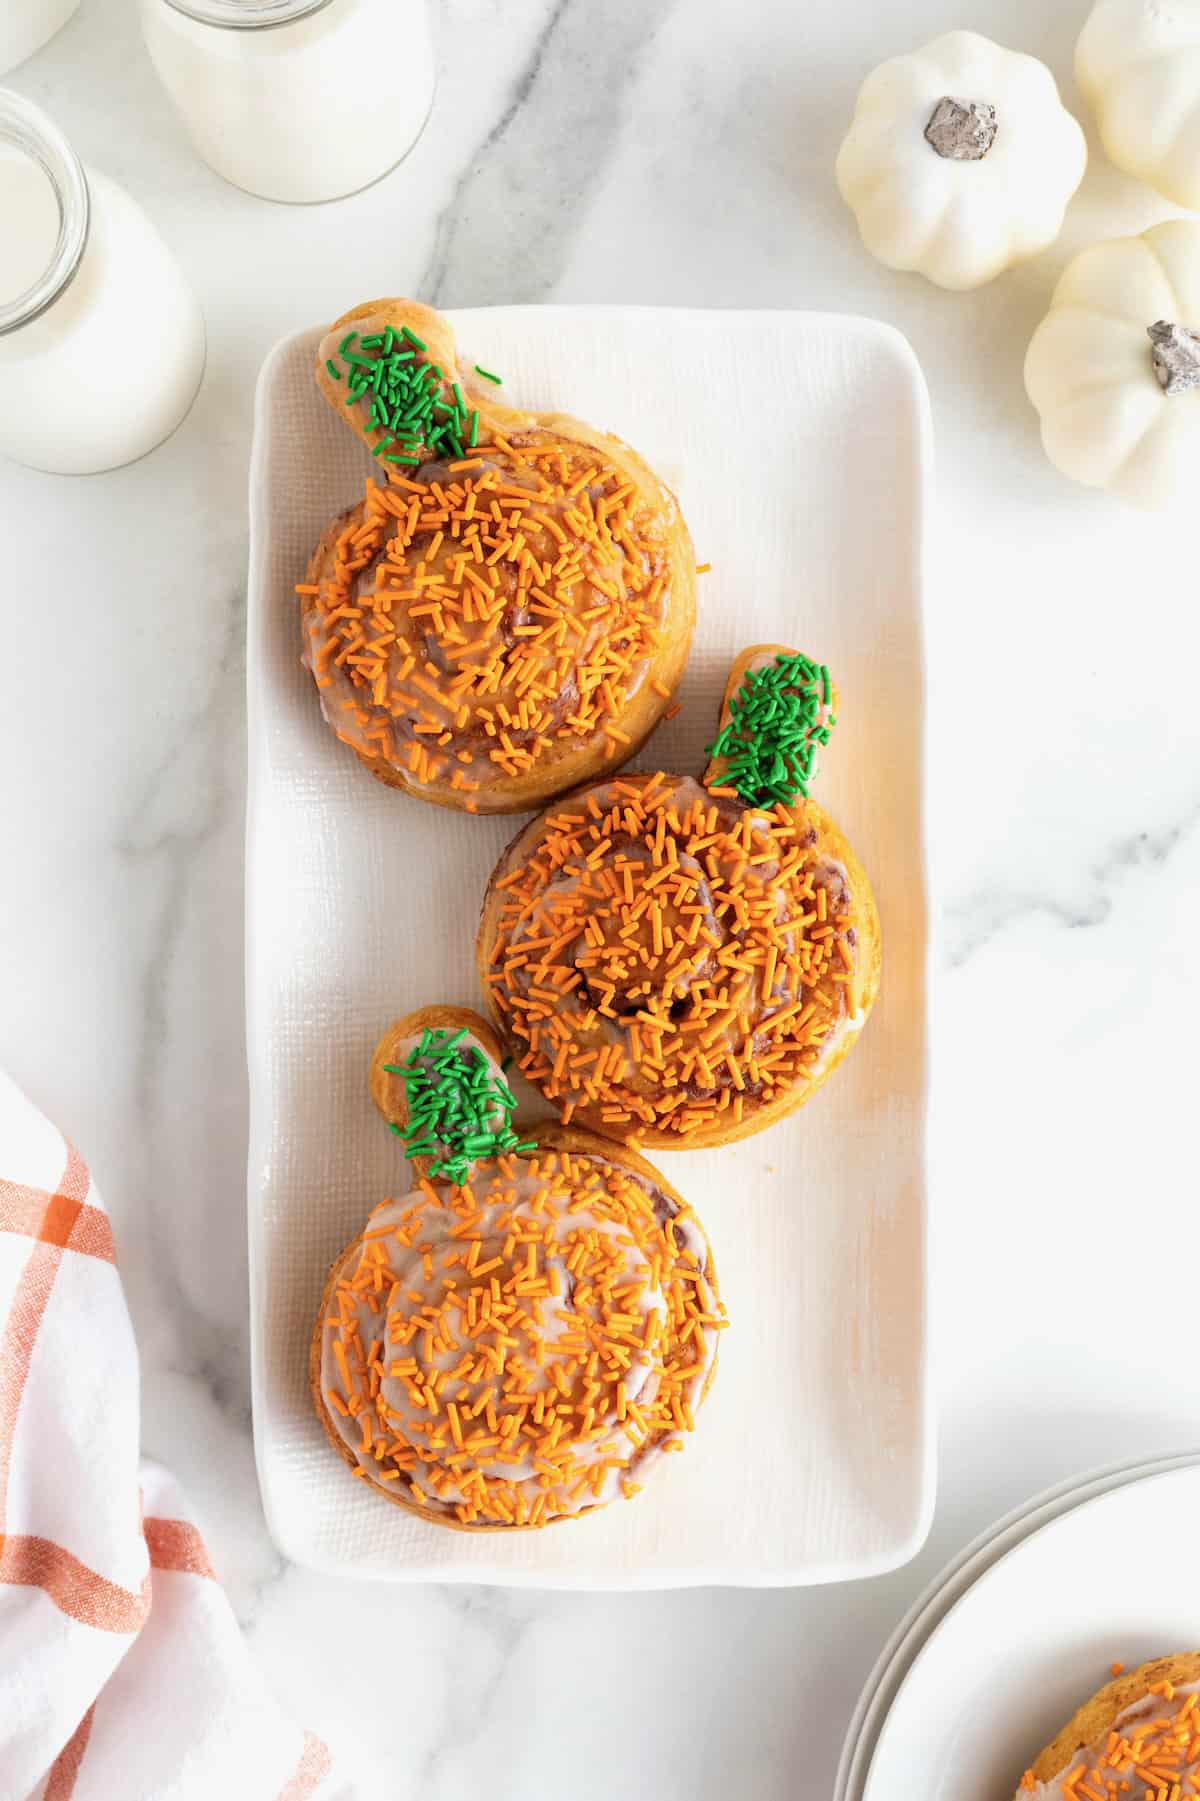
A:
961,130
1175,352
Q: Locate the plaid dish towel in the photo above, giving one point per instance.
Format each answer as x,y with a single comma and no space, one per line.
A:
123,1675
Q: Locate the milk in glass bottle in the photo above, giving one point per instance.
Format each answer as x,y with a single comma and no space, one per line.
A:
101,339
298,100
25,25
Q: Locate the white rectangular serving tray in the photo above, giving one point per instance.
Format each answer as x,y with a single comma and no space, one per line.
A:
799,446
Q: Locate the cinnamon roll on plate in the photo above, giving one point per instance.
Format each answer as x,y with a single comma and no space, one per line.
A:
679,964
508,610
1137,1739
520,1341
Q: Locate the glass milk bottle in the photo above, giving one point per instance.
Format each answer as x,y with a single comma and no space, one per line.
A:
25,25
101,340
296,100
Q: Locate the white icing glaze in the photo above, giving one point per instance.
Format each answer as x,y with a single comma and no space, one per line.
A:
1149,1707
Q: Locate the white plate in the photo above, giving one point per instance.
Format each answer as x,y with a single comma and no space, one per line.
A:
948,1586
1034,1636
798,444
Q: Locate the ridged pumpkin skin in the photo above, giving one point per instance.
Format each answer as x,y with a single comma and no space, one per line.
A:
960,220
1106,419
1138,66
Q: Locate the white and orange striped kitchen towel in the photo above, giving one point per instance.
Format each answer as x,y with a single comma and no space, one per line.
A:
123,1675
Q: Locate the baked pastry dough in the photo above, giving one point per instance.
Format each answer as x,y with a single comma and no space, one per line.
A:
1138,1738
523,1348
411,1047
509,609
672,965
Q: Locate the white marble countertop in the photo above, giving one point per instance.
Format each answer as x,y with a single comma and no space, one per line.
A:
652,151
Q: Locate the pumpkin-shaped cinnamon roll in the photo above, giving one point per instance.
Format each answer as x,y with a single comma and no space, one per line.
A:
1136,1739
521,1339
508,610
679,964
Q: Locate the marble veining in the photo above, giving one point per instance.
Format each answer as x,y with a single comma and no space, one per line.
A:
523,193
650,152
197,769
974,922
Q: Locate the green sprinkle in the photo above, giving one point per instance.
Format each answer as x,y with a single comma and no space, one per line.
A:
488,376
458,1110
777,719
332,369
406,399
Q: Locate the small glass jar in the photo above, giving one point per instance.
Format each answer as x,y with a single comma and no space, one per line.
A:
296,100
25,25
101,339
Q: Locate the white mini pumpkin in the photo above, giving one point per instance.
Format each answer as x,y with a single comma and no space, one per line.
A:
960,160
1138,64
1114,367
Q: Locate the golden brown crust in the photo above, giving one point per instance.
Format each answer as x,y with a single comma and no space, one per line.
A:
737,674
388,1091
550,1136
1095,1719
565,763
428,325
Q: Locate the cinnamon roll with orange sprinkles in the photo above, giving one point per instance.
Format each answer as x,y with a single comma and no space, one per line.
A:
523,1348
508,610
680,966
1137,1739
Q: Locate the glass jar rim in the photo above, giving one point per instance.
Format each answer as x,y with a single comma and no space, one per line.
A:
247,15
26,128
